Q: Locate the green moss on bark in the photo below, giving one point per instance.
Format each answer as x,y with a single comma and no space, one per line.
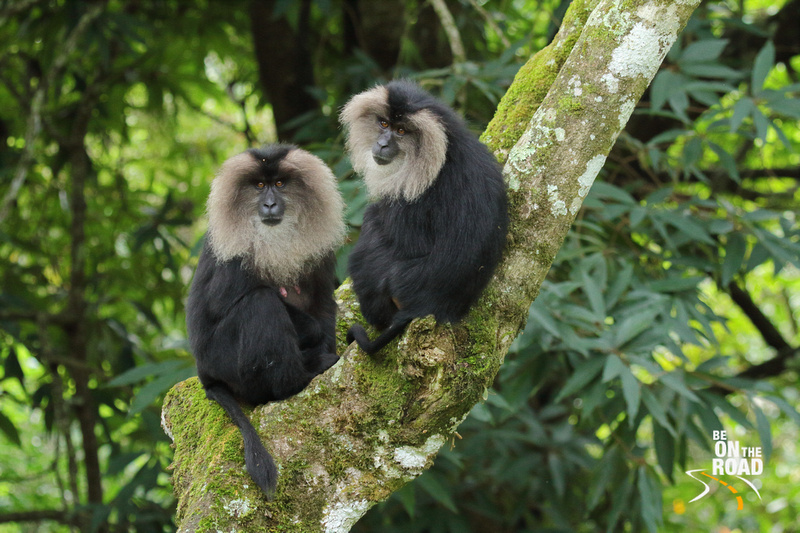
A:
533,81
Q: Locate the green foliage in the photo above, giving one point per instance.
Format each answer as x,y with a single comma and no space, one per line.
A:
105,99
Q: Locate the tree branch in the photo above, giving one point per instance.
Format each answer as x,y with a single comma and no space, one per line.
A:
762,323
451,30
769,333
491,22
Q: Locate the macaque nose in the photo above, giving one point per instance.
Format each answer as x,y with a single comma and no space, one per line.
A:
271,209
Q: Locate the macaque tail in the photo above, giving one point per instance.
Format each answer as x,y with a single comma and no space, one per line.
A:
257,460
359,334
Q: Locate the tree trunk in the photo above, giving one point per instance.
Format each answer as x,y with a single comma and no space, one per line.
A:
366,427
284,63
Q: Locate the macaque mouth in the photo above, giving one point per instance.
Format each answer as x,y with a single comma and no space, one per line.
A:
271,220
382,160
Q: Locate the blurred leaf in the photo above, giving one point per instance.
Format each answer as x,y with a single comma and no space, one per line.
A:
118,463
710,70
713,363
727,161
667,136
9,430
557,473
761,123
715,401
664,84
674,381
594,294
12,368
764,62
602,476
620,498
613,367
608,190
584,373
691,228
675,284
692,151
155,388
741,110
430,484
734,257
786,407
664,443
632,326
650,494
172,367
764,431
679,102
703,50
632,390
655,408
407,497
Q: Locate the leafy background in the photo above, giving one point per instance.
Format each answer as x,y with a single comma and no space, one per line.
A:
671,311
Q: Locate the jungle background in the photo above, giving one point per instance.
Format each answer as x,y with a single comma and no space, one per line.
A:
671,311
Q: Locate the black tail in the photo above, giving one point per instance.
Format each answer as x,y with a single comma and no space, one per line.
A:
359,334
257,459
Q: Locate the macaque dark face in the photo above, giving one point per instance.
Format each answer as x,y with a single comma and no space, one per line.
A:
387,145
398,146
271,202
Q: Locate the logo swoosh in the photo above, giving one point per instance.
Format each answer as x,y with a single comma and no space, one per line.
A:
707,488
752,487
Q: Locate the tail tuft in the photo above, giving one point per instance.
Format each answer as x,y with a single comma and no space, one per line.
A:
257,460
260,466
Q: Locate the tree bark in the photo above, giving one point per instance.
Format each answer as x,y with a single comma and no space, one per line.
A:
368,426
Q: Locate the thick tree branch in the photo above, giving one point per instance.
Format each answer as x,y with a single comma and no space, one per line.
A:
769,333
451,30
762,323
366,427
284,62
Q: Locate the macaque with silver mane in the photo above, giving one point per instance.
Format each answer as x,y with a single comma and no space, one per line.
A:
261,313
437,224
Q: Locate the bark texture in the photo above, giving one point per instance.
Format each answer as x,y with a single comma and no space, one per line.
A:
366,427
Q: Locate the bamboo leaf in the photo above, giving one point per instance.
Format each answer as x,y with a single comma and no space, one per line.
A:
583,374
764,431
763,64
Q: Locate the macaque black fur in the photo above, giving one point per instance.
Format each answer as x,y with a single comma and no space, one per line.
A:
431,252
255,338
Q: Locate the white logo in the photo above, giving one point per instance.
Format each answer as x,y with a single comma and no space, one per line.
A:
731,459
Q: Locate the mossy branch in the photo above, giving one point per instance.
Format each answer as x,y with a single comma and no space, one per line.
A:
366,427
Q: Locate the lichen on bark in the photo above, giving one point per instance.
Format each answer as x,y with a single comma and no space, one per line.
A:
368,426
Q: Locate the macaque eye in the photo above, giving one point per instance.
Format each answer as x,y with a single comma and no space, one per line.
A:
280,183
384,123
401,131
260,185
